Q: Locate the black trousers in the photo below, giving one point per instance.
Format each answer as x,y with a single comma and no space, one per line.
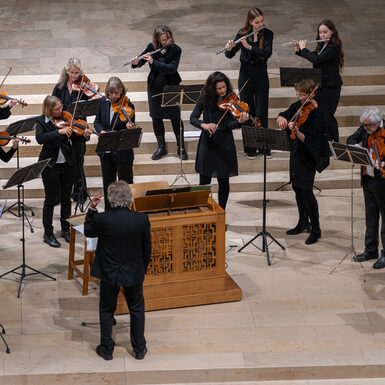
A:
79,151
111,169
307,206
107,307
373,217
159,130
57,179
328,98
223,188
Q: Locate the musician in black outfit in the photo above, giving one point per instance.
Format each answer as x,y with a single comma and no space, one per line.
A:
329,57
71,72
164,71
255,51
59,174
115,164
374,190
5,113
306,151
216,155
121,259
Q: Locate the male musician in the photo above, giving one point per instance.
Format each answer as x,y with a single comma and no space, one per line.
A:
5,114
121,259
371,121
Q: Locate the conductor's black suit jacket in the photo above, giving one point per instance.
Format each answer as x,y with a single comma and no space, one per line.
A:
124,245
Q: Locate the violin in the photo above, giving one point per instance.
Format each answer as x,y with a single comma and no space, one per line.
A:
66,120
376,141
5,138
124,111
83,84
4,98
304,114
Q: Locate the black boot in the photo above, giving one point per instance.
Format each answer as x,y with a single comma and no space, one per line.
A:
184,153
315,234
303,225
161,150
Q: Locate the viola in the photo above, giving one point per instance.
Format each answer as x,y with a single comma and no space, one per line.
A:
77,126
376,141
83,84
122,108
5,138
303,116
4,98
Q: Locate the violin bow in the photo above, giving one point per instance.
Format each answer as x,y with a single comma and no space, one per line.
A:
10,69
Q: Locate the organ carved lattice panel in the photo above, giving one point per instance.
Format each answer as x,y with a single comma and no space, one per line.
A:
161,254
199,247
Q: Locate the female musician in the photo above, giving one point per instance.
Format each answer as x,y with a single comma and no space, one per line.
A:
5,113
305,153
59,174
216,154
164,71
116,163
255,51
63,90
329,57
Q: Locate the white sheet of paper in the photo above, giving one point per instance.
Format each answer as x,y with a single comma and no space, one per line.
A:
91,242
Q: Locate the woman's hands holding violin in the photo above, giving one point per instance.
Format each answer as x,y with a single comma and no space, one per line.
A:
129,125
244,117
15,143
65,131
87,133
210,127
12,102
282,122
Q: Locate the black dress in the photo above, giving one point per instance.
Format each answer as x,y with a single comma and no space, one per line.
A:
216,155
327,60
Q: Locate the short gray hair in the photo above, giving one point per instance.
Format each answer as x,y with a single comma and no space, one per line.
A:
119,194
372,113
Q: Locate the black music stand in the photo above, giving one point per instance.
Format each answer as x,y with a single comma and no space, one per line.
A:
119,140
267,140
19,177
15,129
7,349
289,78
179,95
354,155
85,108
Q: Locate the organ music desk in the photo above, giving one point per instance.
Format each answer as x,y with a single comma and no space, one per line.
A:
187,266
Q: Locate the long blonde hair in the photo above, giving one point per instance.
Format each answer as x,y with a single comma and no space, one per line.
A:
49,104
72,62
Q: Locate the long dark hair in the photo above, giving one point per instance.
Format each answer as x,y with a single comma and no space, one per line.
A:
209,95
333,39
158,31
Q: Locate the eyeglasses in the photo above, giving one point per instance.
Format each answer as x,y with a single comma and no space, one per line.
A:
370,125
300,95
57,109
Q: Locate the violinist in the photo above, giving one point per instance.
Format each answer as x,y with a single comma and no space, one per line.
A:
329,57
372,126
115,164
59,174
216,154
65,91
255,51
306,145
5,113
163,71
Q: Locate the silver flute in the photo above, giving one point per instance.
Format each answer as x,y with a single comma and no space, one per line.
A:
309,41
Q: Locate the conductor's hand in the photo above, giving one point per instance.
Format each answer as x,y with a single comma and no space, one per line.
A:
95,201
210,127
244,117
282,122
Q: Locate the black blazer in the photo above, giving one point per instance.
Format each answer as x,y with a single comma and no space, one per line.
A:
6,156
103,123
124,245
65,97
48,135
5,113
328,60
256,56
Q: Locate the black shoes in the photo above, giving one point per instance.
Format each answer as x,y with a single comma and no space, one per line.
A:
50,240
100,352
65,235
365,256
313,237
380,263
140,355
302,226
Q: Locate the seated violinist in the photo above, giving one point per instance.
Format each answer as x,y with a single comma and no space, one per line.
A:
372,127
115,164
307,147
57,145
5,113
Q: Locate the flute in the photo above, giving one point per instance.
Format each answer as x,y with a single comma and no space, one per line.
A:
162,50
294,42
237,41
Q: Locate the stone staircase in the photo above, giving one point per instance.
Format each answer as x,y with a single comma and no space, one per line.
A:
363,86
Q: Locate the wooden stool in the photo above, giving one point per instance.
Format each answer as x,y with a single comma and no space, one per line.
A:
87,261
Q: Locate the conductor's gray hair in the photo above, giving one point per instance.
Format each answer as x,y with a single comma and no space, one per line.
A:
119,194
372,113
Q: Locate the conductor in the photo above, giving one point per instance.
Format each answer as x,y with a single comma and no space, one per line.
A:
121,259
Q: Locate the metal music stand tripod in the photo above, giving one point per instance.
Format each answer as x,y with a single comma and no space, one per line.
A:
353,155
84,108
267,140
7,349
19,177
179,95
15,129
